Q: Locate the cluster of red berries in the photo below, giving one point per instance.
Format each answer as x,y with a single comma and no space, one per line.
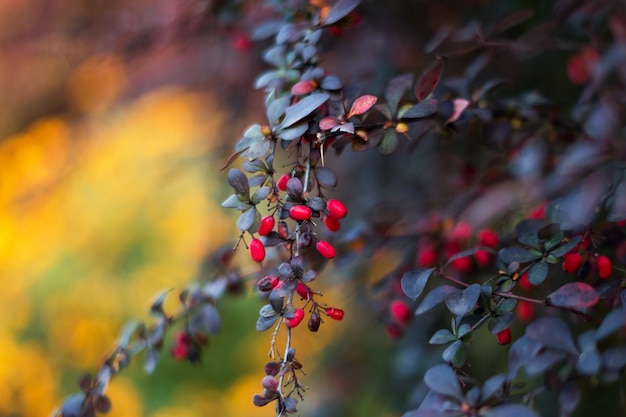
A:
334,211
575,262
452,239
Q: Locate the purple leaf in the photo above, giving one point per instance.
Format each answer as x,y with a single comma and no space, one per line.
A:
552,332
576,295
303,108
442,379
428,80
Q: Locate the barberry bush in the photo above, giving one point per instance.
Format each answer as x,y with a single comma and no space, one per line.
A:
484,179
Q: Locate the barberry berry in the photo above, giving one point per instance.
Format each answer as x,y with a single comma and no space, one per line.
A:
504,337
336,209
303,290
525,310
605,266
427,256
281,184
332,223
325,249
489,238
300,213
296,317
400,312
571,262
267,225
482,257
257,250
334,313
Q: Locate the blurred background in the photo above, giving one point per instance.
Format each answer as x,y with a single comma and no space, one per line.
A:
116,117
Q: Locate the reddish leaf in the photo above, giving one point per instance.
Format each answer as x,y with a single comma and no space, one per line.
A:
340,10
328,123
303,87
428,80
576,295
361,105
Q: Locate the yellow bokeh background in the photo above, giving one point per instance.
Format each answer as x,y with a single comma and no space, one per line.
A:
101,209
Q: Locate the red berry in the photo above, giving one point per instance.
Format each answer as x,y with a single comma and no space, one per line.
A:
504,337
394,331
482,257
463,264
334,313
524,283
325,249
267,283
400,311
332,223
295,319
303,290
571,262
460,232
181,348
300,213
427,256
336,209
489,238
267,225
257,250
281,184
525,310
605,267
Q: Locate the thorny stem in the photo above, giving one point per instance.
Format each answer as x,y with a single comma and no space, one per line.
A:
286,354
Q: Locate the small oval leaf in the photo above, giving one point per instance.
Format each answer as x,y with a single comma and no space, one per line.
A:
442,379
413,282
361,105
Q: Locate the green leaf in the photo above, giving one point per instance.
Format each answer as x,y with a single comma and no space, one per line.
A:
538,273
389,143
516,254
566,247
413,282
441,337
